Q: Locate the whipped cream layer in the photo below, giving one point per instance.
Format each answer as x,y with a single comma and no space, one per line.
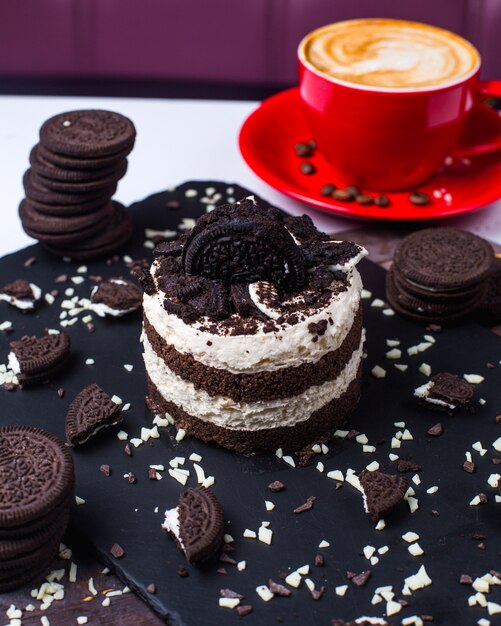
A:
261,351
226,413
389,53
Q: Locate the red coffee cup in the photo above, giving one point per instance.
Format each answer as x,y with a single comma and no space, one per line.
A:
391,139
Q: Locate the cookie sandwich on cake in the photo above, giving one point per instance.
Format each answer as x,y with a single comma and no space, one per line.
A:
252,330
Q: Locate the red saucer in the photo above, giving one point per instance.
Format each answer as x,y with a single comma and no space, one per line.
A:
267,140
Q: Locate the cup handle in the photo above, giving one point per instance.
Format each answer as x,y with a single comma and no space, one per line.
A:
482,133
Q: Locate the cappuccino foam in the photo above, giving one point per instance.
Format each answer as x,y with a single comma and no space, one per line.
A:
385,53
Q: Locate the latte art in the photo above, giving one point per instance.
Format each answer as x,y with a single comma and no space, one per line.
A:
389,53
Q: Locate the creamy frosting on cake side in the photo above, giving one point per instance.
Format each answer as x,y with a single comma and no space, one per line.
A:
252,331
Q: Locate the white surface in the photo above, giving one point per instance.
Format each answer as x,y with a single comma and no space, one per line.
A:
177,140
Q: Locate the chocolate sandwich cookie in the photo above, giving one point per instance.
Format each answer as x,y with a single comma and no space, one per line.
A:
111,238
382,492
43,224
444,258
63,238
13,549
41,552
90,411
196,524
36,359
489,309
97,185
48,170
34,188
81,163
421,310
39,524
36,474
433,294
21,294
115,297
446,392
62,210
88,133
15,578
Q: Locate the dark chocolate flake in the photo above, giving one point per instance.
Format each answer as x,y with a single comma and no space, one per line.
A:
436,430
229,593
278,589
224,558
316,594
307,506
360,579
276,486
131,478
182,572
151,588
469,467
465,579
319,560
117,551
105,469
244,610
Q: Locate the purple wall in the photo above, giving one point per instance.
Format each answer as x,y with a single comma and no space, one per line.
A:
242,41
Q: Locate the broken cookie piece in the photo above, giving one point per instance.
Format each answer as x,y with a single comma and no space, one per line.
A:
196,524
382,492
115,297
35,359
445,392
21,294
90,411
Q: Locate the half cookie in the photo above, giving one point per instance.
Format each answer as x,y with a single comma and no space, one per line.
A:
35,359
445,391
196,524
115,297
382,492
91,410
21,294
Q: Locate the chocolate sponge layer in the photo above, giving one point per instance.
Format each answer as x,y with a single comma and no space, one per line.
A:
261,386
322,422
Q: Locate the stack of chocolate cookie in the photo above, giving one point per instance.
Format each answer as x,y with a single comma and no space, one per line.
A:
74,173
36,489
439,275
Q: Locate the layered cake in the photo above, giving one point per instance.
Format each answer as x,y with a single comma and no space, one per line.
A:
252,331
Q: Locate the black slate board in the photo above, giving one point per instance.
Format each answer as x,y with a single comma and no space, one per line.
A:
116,511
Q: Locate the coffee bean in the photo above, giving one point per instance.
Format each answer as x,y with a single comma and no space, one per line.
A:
307,168
303,149
353,190
342,194
419,198
327,189
364,199
382,201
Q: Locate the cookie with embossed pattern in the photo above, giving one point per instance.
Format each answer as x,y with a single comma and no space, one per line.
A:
382,492
87,133
21,294
113,235
444,258
91,410
115,297
196,524
36,359
43,167
36,474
